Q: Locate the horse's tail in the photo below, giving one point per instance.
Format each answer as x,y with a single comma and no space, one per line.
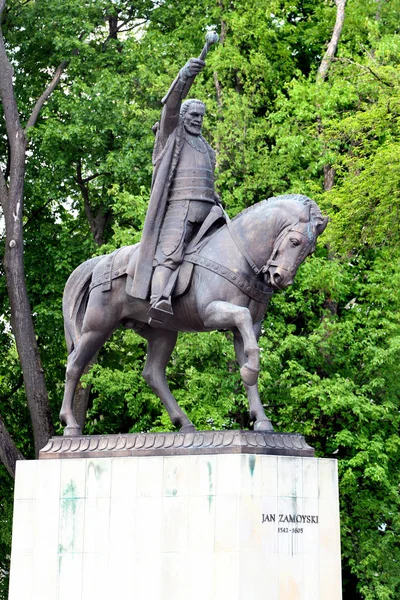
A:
75,299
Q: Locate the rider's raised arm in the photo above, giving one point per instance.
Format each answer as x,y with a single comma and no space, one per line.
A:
176,94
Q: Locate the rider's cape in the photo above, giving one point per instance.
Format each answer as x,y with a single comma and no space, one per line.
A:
164,167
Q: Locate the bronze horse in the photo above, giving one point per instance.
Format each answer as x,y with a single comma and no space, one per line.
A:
235,273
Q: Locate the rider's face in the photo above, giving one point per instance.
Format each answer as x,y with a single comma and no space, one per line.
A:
193,119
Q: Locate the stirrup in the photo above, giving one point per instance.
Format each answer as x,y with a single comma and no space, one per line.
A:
163,305
159,310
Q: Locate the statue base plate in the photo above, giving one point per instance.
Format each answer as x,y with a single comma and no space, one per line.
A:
177,444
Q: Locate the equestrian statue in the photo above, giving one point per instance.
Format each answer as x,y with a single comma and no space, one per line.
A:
194,270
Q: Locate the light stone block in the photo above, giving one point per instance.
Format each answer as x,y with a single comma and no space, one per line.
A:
71,525
201,526
176,478
229,472
175,538
25,480
226,523
69,576
203,475
226,578
97,525
48,479
98,478
23,535
150,477
205,527
95,564
124,477
123,533
148,579
21,575
149,519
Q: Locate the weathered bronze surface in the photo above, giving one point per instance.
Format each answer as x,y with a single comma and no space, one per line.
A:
195,270
176,444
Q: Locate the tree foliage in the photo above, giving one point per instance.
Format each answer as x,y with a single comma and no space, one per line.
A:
330,343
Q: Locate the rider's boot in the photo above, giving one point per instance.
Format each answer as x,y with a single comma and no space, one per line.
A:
160,305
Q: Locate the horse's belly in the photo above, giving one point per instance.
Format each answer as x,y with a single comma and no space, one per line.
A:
186,316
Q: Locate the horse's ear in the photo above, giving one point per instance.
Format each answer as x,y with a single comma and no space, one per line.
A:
320,228
305,215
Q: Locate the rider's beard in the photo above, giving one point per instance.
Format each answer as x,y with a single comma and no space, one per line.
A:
192,129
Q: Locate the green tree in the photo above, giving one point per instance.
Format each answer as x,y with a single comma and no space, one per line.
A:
331,342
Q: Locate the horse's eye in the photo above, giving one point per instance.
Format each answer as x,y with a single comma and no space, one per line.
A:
295,241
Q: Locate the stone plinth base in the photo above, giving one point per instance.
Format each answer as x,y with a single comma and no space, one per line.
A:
176,444
204,527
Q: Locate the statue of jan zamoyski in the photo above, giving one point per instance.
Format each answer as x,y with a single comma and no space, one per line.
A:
228,273
182,194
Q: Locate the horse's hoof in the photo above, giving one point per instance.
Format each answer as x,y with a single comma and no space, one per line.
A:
263,425
72,431
187,429
249,375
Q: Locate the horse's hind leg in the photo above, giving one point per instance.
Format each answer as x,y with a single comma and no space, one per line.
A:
257,413
86,348
160,345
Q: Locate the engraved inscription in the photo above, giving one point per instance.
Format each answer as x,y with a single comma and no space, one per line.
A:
287,518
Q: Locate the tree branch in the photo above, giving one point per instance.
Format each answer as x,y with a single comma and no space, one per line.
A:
2,6
114,28
132,27
333,44
90,178
9,453
46,94
364,68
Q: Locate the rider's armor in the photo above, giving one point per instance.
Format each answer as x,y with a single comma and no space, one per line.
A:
194,178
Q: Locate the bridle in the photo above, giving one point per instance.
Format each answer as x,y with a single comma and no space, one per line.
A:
279,241
271,262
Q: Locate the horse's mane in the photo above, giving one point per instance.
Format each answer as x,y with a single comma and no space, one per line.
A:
316,214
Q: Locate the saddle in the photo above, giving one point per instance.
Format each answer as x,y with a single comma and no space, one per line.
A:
180,279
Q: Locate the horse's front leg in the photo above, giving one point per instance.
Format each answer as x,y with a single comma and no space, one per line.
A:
257,413
224,315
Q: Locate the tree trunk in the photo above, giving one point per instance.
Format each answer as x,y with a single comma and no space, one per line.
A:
96,223
12,203
333,44
9,453
329,171
329,177
21,316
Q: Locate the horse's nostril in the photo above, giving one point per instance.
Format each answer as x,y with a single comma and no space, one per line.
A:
277,277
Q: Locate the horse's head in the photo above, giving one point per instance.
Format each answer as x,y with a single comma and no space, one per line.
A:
295,241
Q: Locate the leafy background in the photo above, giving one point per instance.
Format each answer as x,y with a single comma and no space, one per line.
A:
331,343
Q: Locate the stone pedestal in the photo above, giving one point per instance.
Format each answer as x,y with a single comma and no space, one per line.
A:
209,527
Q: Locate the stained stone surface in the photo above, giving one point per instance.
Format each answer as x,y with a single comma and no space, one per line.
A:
209,527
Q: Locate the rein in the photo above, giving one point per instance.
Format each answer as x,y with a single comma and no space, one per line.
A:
240,246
